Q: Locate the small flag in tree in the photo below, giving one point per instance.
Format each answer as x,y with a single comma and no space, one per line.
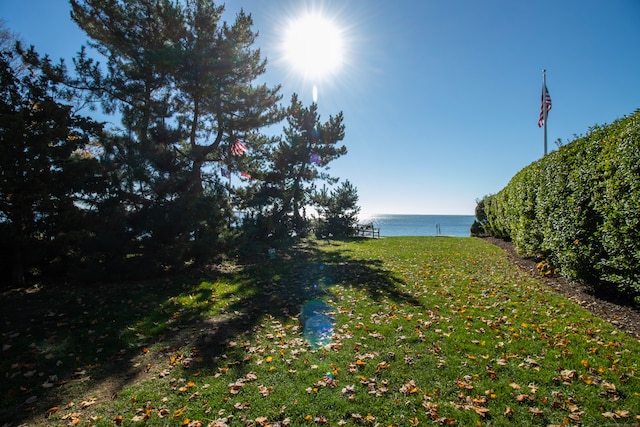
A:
545,106
226,173
245,175
238,148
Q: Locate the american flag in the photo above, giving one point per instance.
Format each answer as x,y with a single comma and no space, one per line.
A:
545,106
226,173
238,148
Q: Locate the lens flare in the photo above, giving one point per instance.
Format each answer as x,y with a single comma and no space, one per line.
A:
318,323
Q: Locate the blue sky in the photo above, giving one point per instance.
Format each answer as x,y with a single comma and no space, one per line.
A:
441,98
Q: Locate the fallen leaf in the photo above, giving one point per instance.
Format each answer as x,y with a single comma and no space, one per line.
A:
409,387
264,391
52,410
568,375
621,413
87,403
535,411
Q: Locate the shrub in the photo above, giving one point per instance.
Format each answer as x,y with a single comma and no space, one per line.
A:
579,208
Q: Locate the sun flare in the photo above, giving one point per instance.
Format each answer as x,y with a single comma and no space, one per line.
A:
314,46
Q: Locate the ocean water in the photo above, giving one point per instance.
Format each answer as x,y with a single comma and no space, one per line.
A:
421,225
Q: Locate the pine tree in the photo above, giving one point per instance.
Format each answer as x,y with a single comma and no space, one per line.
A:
300,160
183,82
338,210
45,173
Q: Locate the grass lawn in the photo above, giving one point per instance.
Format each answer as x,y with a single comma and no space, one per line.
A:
400,331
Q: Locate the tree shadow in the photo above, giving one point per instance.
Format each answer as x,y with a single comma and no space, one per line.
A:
60,339
301,274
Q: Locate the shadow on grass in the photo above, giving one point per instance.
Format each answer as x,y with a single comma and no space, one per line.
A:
65,342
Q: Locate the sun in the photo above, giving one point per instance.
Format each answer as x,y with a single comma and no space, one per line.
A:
313,45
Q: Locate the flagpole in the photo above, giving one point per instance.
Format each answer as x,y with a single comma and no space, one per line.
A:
546,112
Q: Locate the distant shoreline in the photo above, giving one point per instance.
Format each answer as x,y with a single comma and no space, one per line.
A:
421,224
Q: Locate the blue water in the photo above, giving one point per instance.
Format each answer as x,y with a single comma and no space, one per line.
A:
422,225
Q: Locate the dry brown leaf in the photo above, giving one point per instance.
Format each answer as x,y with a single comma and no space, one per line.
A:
52,411
482,411
87,403
568,375
536,411
621,413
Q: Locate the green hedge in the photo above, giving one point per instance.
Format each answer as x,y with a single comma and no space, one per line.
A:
578,208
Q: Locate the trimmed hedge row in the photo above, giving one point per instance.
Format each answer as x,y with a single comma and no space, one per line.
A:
578,208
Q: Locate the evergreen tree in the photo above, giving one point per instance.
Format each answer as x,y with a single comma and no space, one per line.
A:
47,176
183,81
338,211
216,101
140,41
299,160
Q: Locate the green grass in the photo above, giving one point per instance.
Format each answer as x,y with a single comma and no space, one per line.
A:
426,331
